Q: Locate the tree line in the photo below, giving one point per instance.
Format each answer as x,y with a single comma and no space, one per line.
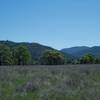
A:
20,55
89,59
14,56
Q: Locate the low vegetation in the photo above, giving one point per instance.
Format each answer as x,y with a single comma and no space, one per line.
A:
68,82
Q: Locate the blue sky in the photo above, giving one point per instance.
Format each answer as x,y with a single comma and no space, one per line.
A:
56,23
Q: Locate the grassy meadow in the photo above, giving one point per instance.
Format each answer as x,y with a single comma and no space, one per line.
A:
68,82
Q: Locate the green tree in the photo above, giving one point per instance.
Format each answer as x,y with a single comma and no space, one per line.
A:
5,55
87,59
21,55
52,58
97,60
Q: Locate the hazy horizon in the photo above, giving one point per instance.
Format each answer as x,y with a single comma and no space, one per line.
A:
55,23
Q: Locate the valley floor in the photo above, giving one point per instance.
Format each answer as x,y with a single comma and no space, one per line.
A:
68,82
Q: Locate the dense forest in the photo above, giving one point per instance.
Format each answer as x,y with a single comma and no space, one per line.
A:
12,53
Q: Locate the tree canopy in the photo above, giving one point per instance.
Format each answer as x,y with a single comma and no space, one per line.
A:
52,58
87,59
22,55
5,55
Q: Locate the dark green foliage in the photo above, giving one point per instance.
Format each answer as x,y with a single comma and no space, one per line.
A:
22,55
87,59
5,55
36,50
52,58
33,49
97,60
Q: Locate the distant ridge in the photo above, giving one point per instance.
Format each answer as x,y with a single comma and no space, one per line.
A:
82,50
37,49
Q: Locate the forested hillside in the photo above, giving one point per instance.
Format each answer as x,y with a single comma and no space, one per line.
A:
21,51
24,53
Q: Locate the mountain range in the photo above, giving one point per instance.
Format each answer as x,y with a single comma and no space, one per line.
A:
37,49
79,51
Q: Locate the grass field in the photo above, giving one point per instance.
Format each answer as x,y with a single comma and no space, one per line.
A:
69,82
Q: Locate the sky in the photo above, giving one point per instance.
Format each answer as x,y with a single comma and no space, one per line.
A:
55,23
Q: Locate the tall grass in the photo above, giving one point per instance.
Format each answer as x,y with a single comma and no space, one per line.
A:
69,82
